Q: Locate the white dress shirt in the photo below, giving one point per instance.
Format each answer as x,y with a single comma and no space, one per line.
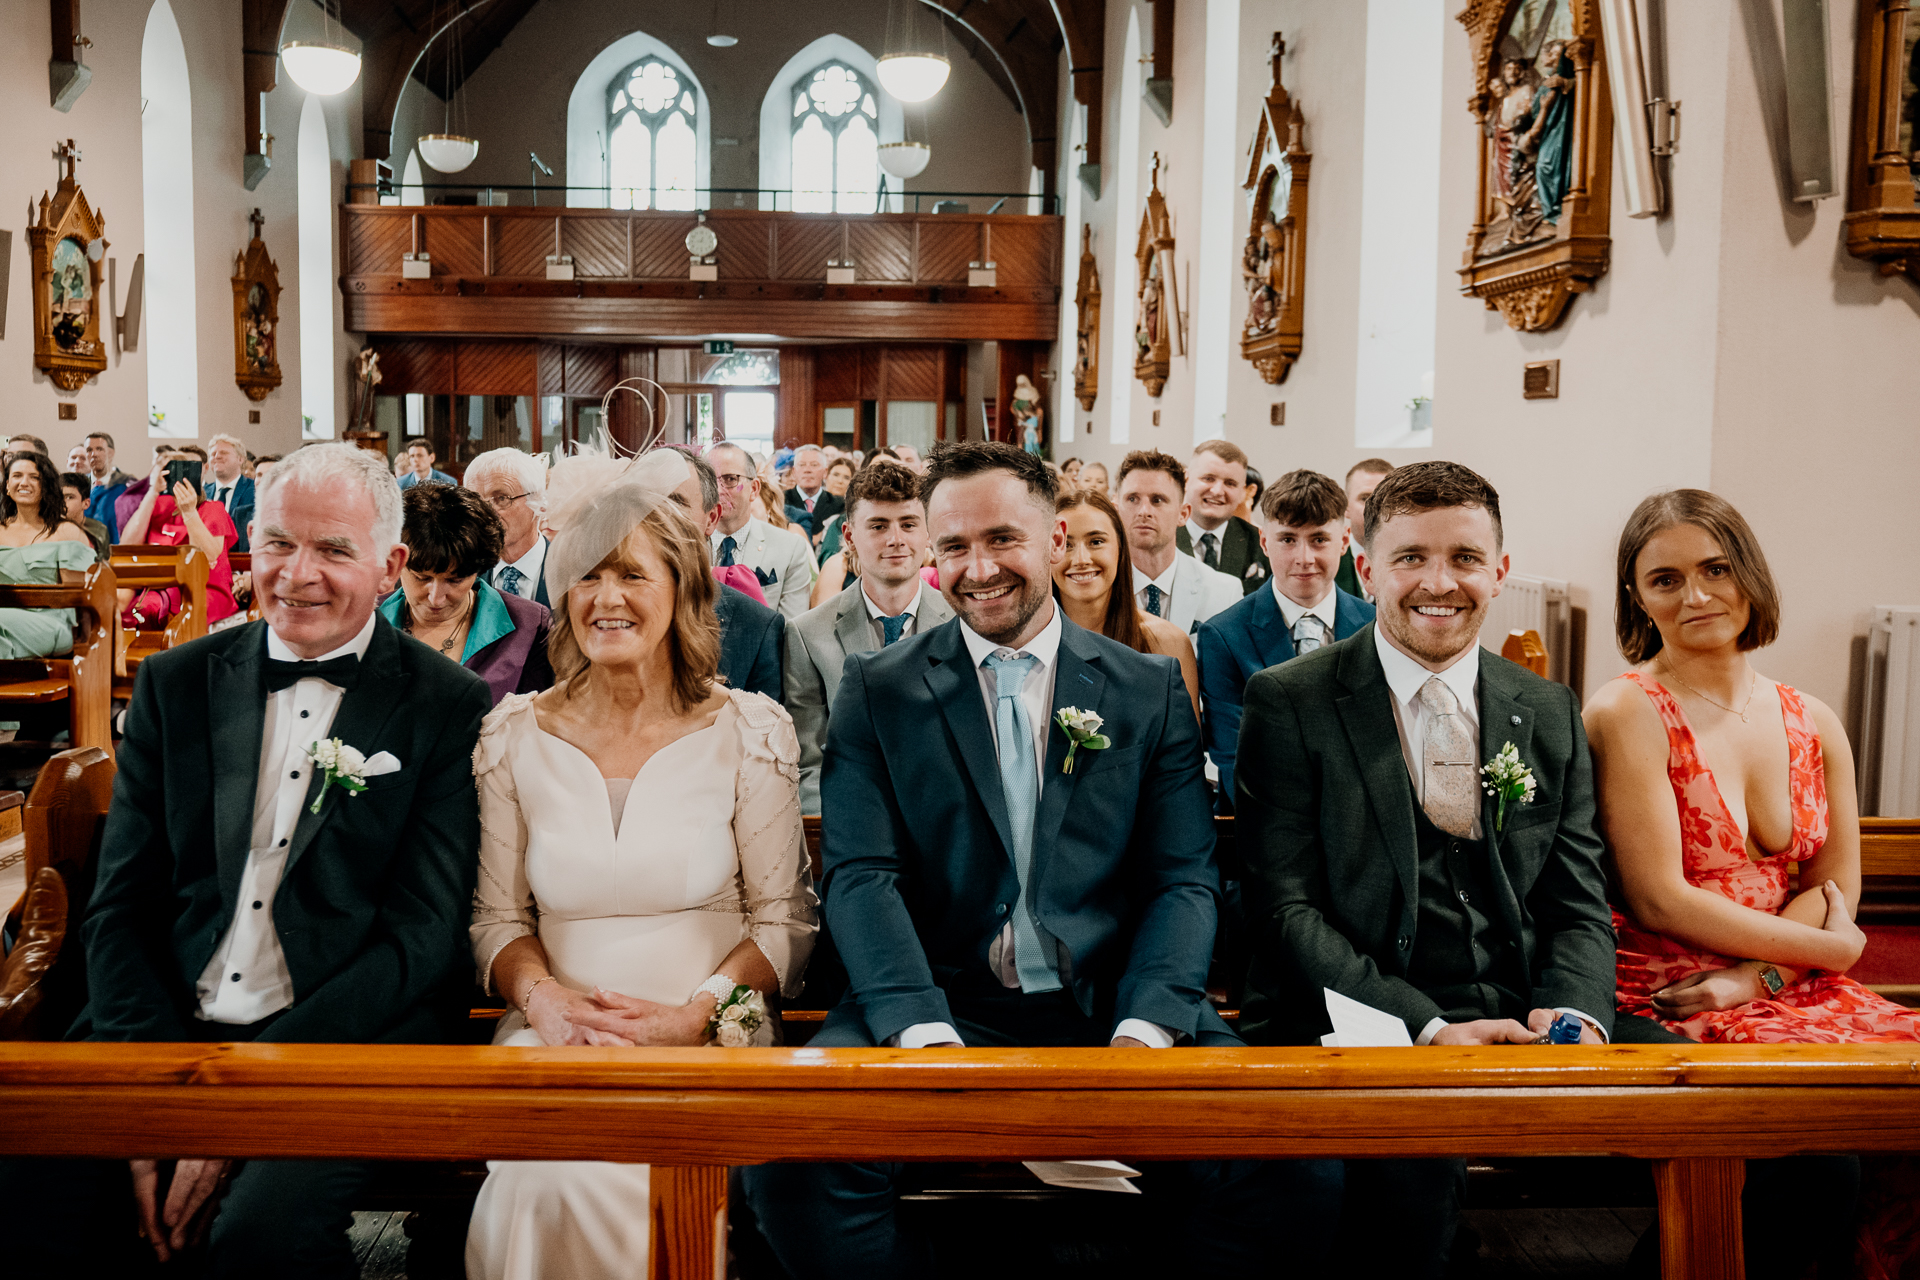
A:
247,978
1405,678
1164,582
874,614
1326,609
531,566
1037,694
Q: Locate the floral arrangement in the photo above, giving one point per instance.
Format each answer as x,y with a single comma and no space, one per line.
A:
339,764
1083,730
737,1017
1507,781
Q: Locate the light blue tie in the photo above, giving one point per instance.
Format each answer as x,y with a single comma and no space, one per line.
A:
1020,782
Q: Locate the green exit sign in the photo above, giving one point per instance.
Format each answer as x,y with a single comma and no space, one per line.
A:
719,348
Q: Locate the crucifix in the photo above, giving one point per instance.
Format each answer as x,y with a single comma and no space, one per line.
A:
259,223
68,155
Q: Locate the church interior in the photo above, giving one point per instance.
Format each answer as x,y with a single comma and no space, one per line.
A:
1590,249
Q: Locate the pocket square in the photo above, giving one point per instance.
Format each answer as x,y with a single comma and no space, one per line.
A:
767,577
379,763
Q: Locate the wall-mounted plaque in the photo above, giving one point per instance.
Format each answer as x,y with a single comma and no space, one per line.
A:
1273,261
1157,300
1086,301
256,317
68,244
1540,230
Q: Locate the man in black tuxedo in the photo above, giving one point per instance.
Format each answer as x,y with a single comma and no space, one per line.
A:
809,493
244,894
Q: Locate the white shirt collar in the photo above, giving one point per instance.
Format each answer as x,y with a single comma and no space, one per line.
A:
278,651
1326,608
1405,676
1045,646
530,563
1164,581
1196,532
873,610
741,538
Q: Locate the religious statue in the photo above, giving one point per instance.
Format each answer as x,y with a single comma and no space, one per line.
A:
1260,266
366,376
256,315
68,244
1086,298
1273,256
1027,413
1156,323
1547,122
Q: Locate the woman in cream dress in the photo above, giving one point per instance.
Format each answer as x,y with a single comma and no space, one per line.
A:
640,836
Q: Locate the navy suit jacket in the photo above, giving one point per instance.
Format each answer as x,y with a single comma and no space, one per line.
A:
919,875
753,639
1237,642
239,505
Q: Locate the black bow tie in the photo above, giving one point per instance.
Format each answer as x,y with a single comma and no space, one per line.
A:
343,671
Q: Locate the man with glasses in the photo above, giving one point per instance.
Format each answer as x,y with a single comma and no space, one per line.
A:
515,486
782,561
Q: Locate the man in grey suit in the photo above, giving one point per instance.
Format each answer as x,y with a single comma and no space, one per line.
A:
886,524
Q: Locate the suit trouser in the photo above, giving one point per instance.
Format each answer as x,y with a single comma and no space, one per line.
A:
280,1218
1217,1218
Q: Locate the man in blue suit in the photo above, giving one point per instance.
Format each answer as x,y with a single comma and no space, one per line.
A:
982,892
1303,531
753,638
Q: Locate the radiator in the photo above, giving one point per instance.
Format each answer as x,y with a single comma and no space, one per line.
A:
1533,604
1890,744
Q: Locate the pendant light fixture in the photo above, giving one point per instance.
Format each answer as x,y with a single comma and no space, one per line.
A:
718,39
447,151
906,158
321,66
910,69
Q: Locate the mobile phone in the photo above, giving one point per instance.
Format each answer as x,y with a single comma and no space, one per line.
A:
187,469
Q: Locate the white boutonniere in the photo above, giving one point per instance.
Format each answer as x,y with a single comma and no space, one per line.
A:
1083,730
345,766
1507,780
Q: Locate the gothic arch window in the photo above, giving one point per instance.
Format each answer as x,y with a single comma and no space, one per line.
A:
836,156
652,141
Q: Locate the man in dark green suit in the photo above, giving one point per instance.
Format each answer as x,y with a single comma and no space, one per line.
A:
1213,535
1377,867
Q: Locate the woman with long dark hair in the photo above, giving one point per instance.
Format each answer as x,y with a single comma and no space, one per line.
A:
39,546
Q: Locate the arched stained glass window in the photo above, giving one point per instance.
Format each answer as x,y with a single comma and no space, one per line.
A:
650,138
836,157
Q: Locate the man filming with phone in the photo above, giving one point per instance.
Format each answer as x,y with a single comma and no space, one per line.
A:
172,513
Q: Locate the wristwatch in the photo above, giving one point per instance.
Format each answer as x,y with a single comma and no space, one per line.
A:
1770,979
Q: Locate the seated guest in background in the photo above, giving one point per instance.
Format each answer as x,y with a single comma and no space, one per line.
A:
766,506
1094,476
1378,868
40,544
514,484
23,442
175,519
1249,508
1016,903
584,807
1070,471
1214,533
109,482
452,536
910,458
229,484
1167,582
1097,560
839,476
1712,941
886,602
420,465
77,458
751,635
829,541
1362,479
1304,531
260,466
227,909
780,559
809,502
74,486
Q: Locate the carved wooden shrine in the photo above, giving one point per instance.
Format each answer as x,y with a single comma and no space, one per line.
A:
1086,301
1540,228
68,244
256,317
1883,215
1273,261
1157,297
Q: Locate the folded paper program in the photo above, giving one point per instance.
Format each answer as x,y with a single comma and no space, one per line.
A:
1085,1175
1361,1026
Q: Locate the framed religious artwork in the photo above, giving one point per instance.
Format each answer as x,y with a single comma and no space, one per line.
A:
1273,261
1156,314
1540,228
1086,302
256,317
68,244
1883,214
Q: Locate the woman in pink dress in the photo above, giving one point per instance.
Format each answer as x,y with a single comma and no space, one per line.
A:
1715,783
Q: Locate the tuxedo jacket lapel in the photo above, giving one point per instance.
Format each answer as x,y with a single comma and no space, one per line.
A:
956,687
1503,719
1269,627
236,720
1366,712
363,714
1077,682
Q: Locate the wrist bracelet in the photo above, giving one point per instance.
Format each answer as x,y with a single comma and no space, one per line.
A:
526,1001
719,986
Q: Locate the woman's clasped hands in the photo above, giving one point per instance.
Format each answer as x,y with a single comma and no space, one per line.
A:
607,1019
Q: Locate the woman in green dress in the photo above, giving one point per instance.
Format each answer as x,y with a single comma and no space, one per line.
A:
38,545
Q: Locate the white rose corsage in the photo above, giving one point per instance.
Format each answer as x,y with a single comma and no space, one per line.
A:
1083,730
1507,780
736,1017
339,764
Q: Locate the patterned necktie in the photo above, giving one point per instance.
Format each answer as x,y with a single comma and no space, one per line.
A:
893,628
1210,550
1308,634
1020,781
1154,597
1447,767
727,544
510,580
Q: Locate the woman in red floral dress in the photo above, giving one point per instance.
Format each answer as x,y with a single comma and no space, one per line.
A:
1714,783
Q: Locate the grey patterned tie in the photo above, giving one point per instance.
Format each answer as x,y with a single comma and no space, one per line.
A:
1210,550
1447,764
1308,634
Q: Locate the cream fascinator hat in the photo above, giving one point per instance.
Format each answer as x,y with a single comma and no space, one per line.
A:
594,502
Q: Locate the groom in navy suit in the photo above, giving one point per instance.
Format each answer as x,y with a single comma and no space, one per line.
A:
1303,530
982,894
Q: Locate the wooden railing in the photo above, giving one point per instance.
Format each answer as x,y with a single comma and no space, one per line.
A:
1695,1111
82,678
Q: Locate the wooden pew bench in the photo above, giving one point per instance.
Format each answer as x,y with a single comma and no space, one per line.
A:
1696,1111
153,567
83,678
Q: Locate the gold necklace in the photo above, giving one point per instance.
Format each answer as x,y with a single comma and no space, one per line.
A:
446,646
1753,687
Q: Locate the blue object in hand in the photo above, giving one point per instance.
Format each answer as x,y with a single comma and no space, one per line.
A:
1566,1029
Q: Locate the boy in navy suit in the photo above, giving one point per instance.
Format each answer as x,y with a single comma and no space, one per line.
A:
1304,533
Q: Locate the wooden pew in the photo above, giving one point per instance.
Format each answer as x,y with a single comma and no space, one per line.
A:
1697,1111
242,562
63,820
82,679
145,567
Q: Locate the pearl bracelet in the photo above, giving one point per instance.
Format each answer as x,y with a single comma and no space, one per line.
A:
719,986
